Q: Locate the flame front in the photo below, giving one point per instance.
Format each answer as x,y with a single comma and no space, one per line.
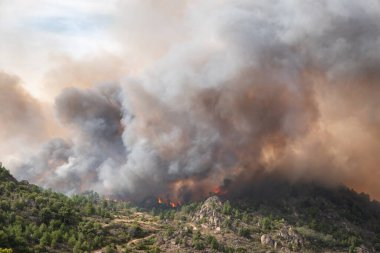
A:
219,191
168,202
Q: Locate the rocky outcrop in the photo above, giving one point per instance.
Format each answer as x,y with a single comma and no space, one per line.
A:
210,215
282,239
287,235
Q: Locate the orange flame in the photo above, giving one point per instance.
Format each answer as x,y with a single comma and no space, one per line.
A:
219,191
172,204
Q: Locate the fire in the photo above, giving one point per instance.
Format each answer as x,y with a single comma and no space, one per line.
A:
172,204
219,191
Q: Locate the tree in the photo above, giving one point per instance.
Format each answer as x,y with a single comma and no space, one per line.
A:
77,247
55,237
245,217
3,238
6,250
45,215
266,223
237,213
227,207
85,246
72,241
44,241
89,209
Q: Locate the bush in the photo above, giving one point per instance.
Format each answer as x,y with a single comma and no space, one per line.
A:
198,245
266,223
244,232
109,249
135,231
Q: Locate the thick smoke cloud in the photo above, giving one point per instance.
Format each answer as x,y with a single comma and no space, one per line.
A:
77,165
21,117
18,108
226,91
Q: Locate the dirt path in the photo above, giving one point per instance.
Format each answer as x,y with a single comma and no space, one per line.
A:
148,224
135,241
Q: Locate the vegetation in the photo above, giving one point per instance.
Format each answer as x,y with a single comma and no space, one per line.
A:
37,220
300,218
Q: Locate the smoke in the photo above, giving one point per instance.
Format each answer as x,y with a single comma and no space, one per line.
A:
84,72
17,107
95,146
224,91
21,117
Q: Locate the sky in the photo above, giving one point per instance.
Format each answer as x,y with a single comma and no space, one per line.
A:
185,96
38,35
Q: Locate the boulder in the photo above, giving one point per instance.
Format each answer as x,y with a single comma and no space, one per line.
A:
267,240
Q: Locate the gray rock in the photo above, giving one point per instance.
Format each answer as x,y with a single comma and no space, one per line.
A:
267,240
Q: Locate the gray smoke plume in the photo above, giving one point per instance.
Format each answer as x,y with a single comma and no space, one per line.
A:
231,89
76,165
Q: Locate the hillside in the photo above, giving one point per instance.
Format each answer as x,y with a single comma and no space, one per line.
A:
282,218
37,220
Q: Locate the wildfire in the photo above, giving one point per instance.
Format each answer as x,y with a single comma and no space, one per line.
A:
172,204
219,191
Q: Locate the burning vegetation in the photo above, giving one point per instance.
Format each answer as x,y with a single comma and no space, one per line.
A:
219,191
168,202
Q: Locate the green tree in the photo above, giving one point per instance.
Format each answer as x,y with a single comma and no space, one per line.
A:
77,247
6,250
72,241
89,209
45,215
266,223
227,207
44,241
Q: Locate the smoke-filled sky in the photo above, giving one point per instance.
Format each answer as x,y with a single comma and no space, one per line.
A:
142,98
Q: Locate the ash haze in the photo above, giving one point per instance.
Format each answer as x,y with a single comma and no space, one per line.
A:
141,98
